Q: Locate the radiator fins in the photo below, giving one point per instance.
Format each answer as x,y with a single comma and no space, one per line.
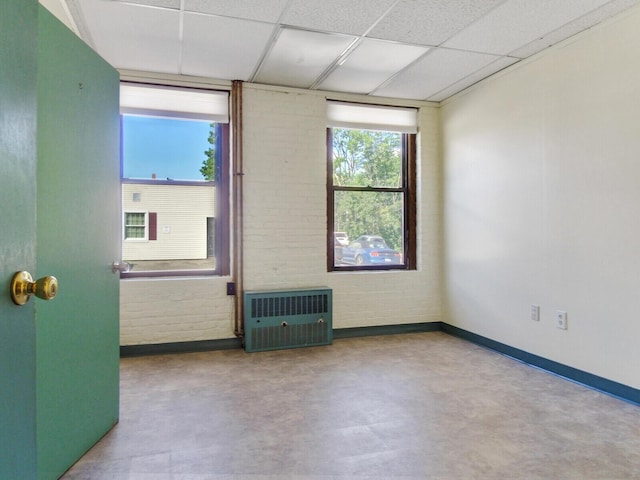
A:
287,319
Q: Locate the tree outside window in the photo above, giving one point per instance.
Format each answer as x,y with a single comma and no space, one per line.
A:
369,199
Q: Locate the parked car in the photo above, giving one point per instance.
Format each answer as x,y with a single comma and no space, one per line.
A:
370,250
342,237
337,251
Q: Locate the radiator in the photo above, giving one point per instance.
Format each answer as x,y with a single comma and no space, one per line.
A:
287,319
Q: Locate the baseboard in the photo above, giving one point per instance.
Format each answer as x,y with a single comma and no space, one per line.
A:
232,343
387,329
615,389
180,347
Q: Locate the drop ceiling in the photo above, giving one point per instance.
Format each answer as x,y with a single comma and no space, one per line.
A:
410,49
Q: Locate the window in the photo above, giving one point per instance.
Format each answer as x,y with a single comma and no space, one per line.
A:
135,226
371,187
175,185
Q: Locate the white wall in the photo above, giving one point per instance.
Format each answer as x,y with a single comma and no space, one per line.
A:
541,203
285,233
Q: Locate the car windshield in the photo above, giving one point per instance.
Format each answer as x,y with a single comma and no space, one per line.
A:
378,243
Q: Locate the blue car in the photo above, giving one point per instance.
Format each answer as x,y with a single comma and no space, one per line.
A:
370,250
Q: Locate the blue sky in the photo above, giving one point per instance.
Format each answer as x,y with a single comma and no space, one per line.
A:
168,147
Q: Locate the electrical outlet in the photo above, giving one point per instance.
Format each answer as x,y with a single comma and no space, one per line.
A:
535,313
561,319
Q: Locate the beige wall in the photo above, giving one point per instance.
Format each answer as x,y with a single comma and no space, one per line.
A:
541,203
285,233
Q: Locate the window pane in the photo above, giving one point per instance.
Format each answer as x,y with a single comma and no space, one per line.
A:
165,148
367,158
171,169
373,224
134,219
134,232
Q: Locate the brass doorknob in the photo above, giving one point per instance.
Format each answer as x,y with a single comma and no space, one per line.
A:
22,287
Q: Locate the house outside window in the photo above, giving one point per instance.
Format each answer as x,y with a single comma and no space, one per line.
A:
175,180
135,226
371,187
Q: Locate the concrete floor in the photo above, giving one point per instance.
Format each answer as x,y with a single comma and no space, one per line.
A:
413,406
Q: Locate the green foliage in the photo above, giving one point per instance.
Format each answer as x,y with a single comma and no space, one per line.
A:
367,158
208,169
364,158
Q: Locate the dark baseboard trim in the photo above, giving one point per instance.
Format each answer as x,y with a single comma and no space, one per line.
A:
615,389
387,330
232,343
180,347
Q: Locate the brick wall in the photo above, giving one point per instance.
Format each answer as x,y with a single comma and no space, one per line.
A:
285,234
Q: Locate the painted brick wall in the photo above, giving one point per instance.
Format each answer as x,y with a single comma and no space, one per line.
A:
285,230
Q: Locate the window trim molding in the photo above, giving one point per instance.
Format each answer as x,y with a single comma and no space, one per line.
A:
409,180
144,239
223,189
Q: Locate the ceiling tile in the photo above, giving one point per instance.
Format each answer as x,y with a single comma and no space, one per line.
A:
341,16
260,10
430,22
207,50
175,4
133,37
586,21
494,67
370,65
299,57
434,72
57,9
516,23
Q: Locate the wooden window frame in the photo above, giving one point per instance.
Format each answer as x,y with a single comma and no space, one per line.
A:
221,215
408,188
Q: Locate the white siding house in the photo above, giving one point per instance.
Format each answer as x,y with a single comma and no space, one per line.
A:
179,230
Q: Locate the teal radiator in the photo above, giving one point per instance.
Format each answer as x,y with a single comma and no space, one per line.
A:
287,319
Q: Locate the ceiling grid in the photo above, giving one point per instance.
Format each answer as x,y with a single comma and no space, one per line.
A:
409,49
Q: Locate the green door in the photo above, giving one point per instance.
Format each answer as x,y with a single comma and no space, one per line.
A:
59,358
18,58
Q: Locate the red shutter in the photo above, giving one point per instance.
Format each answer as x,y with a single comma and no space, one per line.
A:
153,226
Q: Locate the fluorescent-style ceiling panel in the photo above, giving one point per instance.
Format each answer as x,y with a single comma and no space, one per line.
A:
370,65
299,57
207,51
518,22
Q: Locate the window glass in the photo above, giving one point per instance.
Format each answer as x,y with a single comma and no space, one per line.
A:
134,225
367,158
174,192
368,200
166,148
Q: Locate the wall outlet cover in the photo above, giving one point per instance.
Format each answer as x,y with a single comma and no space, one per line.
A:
561,319
535,313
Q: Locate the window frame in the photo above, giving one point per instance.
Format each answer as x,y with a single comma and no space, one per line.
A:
408,188
145,225
222,185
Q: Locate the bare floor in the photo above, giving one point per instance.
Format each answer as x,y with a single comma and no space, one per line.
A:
413,406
